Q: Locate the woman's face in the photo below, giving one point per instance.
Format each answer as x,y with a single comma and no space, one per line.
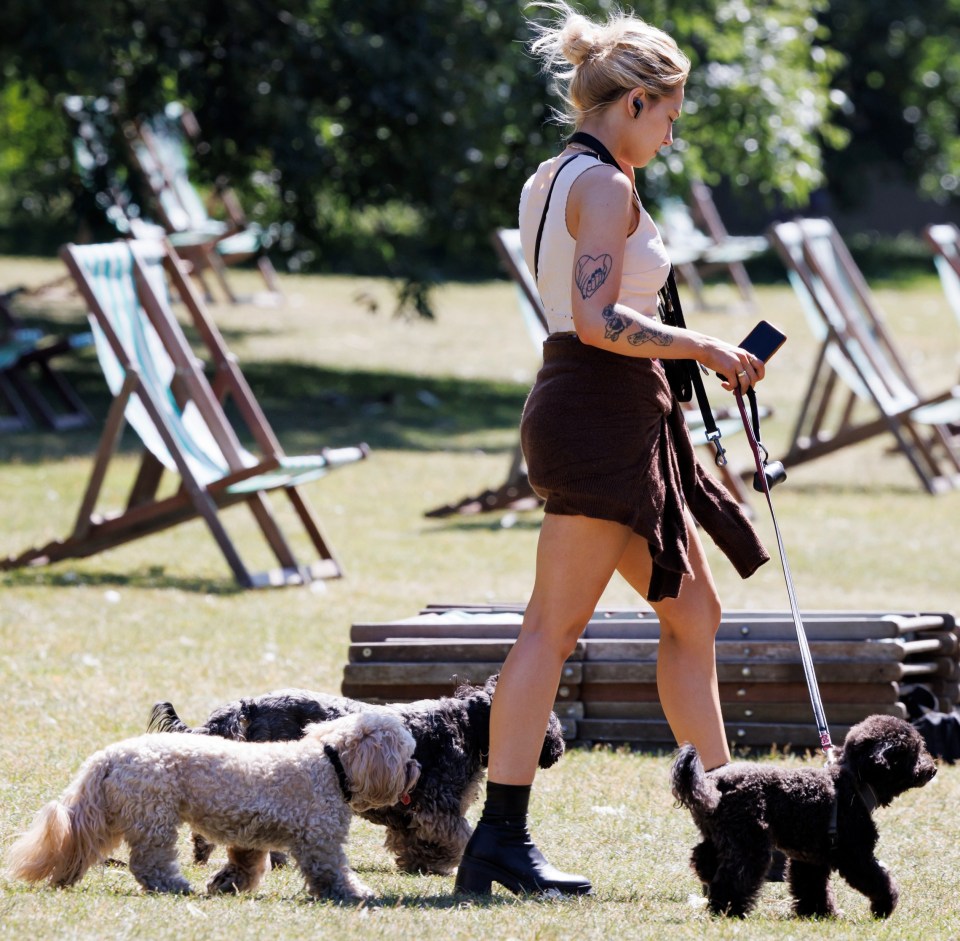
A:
654,125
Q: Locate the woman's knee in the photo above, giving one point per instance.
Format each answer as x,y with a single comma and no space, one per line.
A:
556,633
699,616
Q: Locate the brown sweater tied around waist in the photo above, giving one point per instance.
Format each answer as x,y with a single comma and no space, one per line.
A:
603,437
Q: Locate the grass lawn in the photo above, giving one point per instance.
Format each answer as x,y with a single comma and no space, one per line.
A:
87,647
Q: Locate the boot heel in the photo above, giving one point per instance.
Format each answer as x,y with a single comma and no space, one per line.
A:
472,879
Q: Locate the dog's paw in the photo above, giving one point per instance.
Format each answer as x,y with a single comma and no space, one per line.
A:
883,906
355,894
226,881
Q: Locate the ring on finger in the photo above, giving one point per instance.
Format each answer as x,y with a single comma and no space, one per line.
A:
742,372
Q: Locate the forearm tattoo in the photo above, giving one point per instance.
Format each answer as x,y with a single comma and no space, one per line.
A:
651,334
615,324
591,273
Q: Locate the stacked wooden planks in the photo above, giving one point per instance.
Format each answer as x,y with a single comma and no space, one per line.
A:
865,662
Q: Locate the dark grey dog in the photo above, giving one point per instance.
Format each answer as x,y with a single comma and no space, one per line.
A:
819,817
453,738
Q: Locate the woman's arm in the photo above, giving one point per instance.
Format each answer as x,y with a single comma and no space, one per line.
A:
600,215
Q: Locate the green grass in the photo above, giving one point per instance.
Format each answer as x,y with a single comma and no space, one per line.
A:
87,647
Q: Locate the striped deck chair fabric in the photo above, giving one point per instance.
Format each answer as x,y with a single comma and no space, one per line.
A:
859,359
162,392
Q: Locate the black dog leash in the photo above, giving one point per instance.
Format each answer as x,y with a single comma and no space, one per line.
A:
761,482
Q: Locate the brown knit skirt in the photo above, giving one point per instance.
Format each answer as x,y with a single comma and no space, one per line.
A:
603,437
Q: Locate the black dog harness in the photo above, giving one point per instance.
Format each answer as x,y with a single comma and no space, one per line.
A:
869,798
334,757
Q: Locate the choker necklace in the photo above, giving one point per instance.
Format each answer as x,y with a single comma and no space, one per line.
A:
588,140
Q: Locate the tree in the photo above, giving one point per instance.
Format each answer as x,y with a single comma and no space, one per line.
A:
901,77
394,135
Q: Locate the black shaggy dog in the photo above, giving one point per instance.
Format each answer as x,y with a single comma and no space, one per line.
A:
819,818
453,738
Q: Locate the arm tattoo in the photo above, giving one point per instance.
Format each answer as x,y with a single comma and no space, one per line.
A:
615,324
651,334
591,273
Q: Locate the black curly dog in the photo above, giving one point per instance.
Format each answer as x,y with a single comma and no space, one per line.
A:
453,738
820,819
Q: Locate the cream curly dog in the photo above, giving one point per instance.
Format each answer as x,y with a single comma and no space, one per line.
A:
298,796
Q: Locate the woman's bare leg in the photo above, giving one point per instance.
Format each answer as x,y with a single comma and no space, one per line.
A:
686,662
576,557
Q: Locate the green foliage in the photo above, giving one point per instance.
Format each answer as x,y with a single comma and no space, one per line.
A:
759,107
902,76
391,136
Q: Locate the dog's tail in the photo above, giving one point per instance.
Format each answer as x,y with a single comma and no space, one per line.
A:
690,785
68,835
164,718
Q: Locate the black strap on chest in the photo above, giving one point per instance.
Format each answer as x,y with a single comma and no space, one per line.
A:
683,374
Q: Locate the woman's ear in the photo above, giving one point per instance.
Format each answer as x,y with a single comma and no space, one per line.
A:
637,99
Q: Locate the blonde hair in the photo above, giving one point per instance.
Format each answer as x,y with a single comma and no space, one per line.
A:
593,63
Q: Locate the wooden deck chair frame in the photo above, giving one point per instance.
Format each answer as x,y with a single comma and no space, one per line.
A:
243,478
176,113
858,361
516,491
207,243
944,239
696,251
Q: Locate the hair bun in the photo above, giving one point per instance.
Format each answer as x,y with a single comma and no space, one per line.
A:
578,39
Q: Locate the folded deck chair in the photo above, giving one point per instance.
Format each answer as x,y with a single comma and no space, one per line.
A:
696,251
103,176
31,387
159,148
858,362
515,492
162,391
945,241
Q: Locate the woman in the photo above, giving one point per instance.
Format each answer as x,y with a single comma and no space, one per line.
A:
603,437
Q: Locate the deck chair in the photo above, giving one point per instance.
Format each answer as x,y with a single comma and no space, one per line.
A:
31,387
158,146
99,169
104,178
160,389
516,491
858,361
697,249
945,242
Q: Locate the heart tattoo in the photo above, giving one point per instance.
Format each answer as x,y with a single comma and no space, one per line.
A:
591,273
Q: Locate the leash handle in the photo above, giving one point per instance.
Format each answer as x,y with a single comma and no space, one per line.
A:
805,657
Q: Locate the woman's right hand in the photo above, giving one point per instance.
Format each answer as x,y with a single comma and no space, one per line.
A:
738,368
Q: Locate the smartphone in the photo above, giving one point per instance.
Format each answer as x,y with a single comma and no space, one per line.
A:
763,340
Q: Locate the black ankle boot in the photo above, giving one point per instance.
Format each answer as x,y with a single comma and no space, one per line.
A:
507,855
501,850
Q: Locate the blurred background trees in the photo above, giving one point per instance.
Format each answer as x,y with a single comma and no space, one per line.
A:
391,136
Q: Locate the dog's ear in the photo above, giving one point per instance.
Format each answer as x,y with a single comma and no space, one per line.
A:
553,744
377,755
878,756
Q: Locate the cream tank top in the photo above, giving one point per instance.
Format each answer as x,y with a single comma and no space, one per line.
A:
645,263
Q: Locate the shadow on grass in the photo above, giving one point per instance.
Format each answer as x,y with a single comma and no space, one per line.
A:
310,407
846,488
153,577
493,521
